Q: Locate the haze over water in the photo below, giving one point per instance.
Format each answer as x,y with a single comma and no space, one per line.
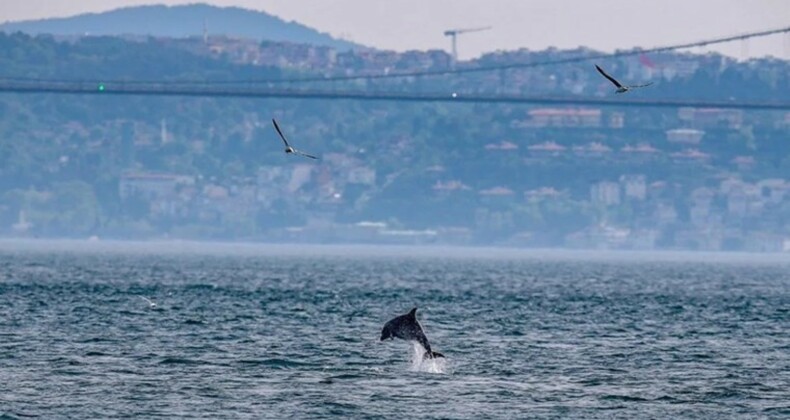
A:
277,332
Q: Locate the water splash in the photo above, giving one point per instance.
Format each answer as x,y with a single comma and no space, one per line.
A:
421,364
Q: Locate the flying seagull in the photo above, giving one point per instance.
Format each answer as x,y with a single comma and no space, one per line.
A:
288,148
620,88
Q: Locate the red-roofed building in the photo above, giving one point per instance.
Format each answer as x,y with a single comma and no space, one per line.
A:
503,145
449,186
685,135
542,193
743,163
642,152
151,185
497,191
605,193
564,117
634,186
549,148
711,117
594,149
691,154
641,148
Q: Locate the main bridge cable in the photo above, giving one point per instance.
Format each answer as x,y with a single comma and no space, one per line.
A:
264,92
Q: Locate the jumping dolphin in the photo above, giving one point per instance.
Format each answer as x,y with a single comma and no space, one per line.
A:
406,327
620,87
288,148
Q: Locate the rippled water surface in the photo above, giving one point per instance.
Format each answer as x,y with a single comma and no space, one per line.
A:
267,333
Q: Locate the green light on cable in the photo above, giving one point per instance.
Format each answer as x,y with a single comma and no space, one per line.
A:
101,87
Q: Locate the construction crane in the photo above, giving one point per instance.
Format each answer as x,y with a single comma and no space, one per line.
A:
455,32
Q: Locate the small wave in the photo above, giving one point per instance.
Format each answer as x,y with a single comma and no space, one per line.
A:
125,371
339,408
623,398
345,376
179,361
66,361
16,416
69,372
777,410
202,286
274,362
95,340
242,317
128,313
670,399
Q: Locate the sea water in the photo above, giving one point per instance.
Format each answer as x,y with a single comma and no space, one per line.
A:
292,332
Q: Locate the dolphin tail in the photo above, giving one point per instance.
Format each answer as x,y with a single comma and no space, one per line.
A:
432,355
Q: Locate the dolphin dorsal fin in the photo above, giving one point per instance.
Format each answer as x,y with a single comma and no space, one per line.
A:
413,312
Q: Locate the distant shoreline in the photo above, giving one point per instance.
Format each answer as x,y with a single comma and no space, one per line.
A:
265,249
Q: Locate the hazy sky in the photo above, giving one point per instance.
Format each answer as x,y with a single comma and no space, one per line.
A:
536,24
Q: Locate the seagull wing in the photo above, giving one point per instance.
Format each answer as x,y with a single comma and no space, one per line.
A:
639,86
611,79
298,152
277,127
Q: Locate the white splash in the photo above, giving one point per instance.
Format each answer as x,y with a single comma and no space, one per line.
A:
420,364
151,304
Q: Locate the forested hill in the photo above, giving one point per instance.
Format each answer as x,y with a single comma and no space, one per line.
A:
111,58
181,21
498,170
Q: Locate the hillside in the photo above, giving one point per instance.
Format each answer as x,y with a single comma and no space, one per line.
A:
181,21
128,166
